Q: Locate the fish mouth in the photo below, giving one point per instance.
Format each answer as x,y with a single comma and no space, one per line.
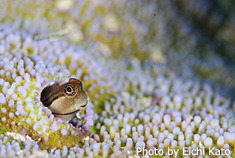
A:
84,105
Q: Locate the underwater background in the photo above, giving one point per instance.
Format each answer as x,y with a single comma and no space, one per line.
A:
159,75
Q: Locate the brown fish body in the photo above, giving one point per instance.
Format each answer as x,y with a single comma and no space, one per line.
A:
65,100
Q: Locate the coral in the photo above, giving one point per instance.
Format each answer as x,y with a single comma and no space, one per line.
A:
139,111
159,31
132,104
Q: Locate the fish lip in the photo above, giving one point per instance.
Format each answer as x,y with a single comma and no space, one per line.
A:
84,105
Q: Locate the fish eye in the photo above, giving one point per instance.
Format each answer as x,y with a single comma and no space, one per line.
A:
69,90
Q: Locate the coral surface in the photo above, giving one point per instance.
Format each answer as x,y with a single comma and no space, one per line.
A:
133,104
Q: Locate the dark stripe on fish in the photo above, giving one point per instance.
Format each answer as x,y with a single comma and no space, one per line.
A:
66,113
50,100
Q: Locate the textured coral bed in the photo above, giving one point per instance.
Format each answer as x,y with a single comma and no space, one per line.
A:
131,105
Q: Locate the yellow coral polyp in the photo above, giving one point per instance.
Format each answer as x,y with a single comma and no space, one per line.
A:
39,128
20,117
39,118
46,144
43,112
34,133
59,126
33,80
63,125
57,133
28,111
3,129
43,135
19,128
48,130
45,123
32,119
50,123
26,126
35,112
14,127
31,86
